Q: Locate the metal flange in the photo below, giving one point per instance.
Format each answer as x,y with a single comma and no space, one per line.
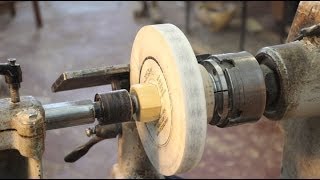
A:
239,88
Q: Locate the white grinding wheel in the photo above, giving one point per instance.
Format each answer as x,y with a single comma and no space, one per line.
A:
161,55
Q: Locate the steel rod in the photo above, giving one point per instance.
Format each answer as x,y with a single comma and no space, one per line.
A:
67,114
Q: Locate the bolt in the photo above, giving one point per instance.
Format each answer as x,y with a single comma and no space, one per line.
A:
90,131
14,94
32,114
12,61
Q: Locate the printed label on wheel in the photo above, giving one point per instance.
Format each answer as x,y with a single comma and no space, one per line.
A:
162,56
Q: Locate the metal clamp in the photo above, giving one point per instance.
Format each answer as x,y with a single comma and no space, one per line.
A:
22,128
308,32
13,75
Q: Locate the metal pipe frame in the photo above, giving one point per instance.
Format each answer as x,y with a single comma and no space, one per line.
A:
67,114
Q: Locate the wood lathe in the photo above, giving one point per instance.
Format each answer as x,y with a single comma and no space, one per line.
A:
163,100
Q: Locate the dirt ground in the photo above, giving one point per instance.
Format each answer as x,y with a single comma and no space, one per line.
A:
79,35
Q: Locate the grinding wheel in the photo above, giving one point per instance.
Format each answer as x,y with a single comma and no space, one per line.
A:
162,56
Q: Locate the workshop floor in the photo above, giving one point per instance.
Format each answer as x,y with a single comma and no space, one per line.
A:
79,35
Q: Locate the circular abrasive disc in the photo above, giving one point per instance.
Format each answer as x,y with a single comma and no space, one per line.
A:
162,55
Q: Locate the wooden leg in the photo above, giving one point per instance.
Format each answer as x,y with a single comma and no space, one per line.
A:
37,13
154,4
283,24
144,12
12,9
243,25
188,7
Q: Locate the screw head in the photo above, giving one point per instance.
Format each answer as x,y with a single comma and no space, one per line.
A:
89,132
12,61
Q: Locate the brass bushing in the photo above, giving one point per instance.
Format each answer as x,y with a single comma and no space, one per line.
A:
148,100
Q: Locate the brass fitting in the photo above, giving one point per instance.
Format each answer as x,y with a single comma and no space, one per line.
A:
148,100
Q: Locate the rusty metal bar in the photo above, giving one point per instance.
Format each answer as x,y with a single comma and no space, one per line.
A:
90,77
37,13
299,69
22,136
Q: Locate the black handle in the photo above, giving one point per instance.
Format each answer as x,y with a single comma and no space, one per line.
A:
102,132
11,71
82,150
13,77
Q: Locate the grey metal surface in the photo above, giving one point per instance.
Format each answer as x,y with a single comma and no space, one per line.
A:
297,68
21,129
67,114
239,88
298,106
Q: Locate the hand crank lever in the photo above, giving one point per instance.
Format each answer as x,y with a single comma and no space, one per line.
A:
82,150
101,133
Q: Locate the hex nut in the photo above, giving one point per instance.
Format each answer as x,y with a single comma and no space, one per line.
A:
149,102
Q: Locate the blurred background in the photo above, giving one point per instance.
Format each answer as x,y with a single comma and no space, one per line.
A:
48,38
